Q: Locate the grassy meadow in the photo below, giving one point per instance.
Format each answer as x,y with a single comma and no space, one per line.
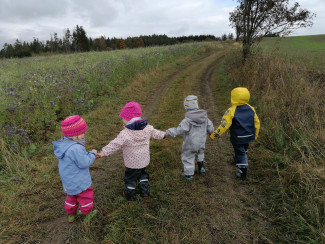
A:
287,82
37,93
283,201
307,50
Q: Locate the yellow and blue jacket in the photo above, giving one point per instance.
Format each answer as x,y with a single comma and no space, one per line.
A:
241,119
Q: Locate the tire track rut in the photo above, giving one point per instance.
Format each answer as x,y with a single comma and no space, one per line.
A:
59,231
230,221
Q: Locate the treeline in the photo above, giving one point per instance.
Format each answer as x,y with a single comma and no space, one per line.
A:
77,41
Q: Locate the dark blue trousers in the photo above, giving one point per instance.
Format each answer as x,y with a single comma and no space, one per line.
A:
130,181
240,155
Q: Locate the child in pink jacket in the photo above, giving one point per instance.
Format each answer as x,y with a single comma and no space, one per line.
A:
134,141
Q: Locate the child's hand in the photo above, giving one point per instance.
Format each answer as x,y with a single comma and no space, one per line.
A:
99,155
95,151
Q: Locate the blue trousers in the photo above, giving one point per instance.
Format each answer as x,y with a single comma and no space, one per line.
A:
240,155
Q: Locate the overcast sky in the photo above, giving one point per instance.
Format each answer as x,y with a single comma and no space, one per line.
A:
25,19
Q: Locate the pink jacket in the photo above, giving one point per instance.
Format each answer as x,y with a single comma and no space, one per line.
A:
135,146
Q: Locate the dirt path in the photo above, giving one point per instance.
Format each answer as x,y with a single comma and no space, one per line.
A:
59,231
234,217
159,93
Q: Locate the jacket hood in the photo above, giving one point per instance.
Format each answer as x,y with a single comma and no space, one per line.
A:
138,135
138,125
61,146
198,116
240,96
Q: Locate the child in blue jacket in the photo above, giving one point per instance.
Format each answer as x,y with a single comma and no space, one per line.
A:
244,126
74,164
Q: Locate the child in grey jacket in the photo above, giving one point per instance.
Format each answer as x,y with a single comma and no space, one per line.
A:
195,128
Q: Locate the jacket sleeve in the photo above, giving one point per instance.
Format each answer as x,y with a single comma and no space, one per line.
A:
226,122
114,145
210,127
182,128
157,134
82,158
257,126
256,123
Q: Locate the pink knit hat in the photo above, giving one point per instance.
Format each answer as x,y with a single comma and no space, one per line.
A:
131,110
73,126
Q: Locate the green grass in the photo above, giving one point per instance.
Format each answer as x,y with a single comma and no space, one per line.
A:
288,89
309,50
296,43
287,162
31,192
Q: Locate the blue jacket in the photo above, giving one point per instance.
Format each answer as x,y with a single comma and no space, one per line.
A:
240,118
242,130
74,164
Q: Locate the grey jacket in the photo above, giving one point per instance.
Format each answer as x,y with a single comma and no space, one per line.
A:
195,127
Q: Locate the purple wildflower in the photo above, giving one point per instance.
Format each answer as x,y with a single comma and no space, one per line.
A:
10,94
11,89
10,130
14,146
26,139
11,109
22,131
31,107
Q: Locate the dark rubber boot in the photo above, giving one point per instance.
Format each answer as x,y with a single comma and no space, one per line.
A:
242,174
129,194
201,167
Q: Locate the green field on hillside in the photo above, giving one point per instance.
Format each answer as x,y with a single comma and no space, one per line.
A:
281,202
307,49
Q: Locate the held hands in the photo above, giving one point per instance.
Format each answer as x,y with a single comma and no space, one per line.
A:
96,153
99,155
213,135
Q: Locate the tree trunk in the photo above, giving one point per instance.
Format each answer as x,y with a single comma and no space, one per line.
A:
246,50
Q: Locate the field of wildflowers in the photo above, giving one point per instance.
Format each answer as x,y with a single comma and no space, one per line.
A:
36,93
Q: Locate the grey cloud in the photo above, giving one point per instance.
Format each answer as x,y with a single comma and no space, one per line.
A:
98,13
17,11
5,38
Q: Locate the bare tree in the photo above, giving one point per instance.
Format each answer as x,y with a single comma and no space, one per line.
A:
254,19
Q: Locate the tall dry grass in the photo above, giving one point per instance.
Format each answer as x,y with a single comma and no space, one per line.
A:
289,100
